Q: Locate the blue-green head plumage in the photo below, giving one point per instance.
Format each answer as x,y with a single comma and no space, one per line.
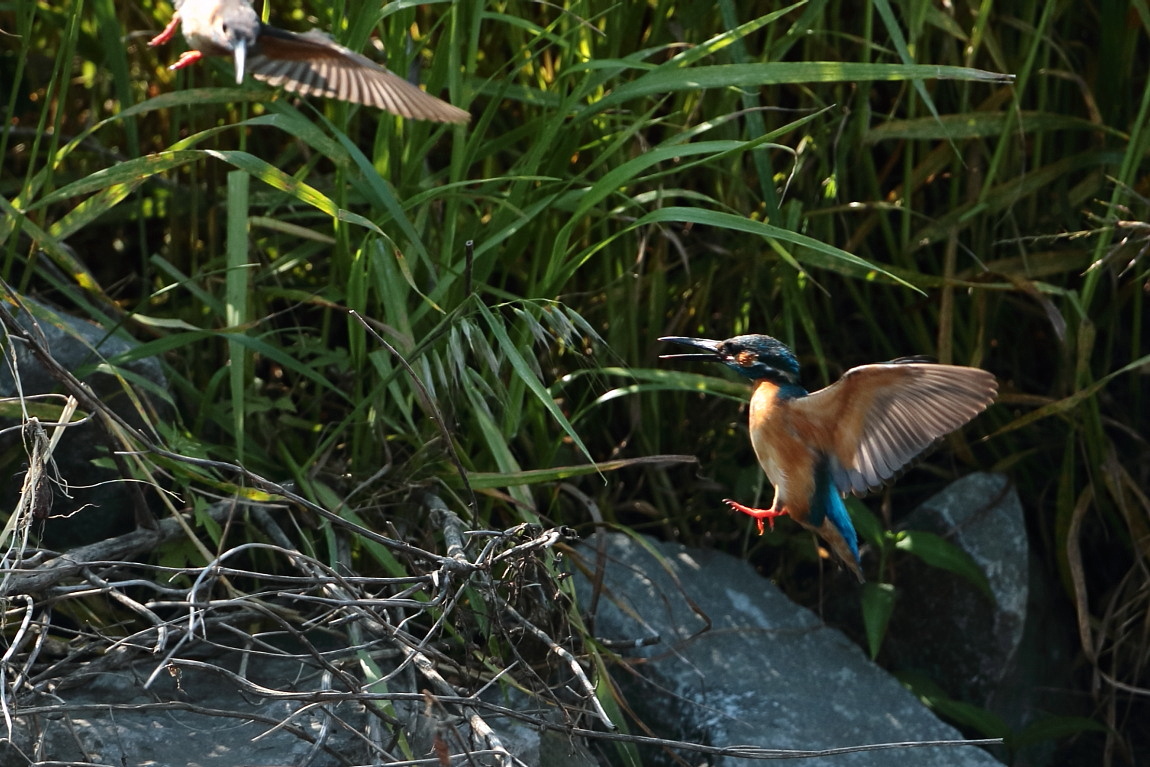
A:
755,356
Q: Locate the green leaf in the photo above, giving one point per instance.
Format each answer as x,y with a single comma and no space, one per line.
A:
811,252
128,175
526,374
877,601
668,79
968,125
938,552
1055,728
986,722
934,697
670,380
867,524
485,480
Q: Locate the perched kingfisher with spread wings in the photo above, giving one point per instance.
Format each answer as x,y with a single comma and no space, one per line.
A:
847,438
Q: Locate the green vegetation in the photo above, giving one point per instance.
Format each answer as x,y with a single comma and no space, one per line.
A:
373,309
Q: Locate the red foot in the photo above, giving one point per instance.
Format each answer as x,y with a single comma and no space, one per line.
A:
187,58
758,514
166,35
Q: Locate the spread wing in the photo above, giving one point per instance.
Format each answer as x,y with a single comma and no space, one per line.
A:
877,418
313,64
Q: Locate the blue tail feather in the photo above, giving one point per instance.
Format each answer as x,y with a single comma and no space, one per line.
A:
828,504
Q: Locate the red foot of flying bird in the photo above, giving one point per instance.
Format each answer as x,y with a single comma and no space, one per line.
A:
849,437
308,64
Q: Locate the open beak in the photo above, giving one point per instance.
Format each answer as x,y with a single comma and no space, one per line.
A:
707,345
241,54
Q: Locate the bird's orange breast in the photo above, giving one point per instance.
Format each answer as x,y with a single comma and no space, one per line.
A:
786,442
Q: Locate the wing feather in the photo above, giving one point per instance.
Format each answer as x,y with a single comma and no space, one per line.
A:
878,418
313,64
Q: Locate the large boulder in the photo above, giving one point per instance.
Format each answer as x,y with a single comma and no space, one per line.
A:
92,505
1007,655
721,657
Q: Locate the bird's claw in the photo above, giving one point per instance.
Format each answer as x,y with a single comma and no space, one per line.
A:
758,514
167,34
187,58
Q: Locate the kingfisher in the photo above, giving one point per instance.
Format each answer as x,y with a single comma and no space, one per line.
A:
307,64
851,437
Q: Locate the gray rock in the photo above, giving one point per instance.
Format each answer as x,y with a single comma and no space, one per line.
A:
945,626
766,672
199,717
994,655
532,745
180,721
104,506
77,345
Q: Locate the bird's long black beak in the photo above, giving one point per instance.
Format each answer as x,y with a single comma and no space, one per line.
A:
706,344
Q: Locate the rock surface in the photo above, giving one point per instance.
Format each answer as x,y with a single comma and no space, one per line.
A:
1010,656
189,718
103,505
943,625
763,672
192,715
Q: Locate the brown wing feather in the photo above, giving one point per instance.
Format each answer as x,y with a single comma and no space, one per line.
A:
314,65
877,418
